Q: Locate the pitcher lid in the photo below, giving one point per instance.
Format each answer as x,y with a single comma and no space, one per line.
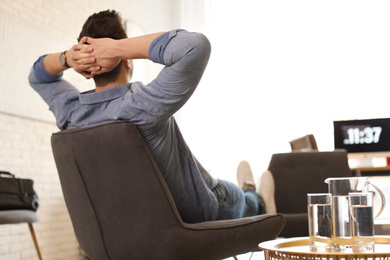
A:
344,178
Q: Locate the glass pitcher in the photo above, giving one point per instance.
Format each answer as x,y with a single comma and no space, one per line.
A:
341,218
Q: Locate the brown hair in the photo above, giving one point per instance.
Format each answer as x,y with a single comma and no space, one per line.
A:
105,24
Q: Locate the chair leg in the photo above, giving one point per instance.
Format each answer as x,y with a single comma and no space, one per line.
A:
35,240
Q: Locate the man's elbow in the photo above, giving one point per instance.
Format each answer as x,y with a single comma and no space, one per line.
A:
200,46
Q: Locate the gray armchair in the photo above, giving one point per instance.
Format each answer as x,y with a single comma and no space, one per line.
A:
298,173
121,208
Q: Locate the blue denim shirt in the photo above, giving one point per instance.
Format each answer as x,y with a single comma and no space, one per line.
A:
150,107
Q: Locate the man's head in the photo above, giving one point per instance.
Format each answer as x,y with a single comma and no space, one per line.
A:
105,24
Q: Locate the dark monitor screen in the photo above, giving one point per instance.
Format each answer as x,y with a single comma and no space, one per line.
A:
362,136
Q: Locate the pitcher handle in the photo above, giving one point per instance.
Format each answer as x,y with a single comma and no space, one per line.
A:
383,199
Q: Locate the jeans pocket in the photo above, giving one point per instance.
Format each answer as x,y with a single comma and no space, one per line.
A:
221,194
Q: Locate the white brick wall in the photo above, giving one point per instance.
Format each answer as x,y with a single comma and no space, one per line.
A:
25,151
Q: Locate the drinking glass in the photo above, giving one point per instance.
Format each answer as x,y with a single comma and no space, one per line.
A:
362,221
320,222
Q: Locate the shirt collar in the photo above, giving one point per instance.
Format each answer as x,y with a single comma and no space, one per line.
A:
91,97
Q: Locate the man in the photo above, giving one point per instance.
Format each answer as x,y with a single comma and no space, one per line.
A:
104,53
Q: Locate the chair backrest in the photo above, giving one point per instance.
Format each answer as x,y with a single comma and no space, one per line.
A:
102,169
297,174
305,143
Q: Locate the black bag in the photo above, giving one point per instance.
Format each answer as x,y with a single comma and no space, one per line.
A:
17,193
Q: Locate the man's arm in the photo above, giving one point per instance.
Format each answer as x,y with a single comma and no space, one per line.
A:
95,56
106,53
52,64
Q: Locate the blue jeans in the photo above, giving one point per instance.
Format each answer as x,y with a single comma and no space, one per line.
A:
236,203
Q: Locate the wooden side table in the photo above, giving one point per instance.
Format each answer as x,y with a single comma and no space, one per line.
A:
298,248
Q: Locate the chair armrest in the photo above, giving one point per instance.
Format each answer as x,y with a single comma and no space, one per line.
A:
232,223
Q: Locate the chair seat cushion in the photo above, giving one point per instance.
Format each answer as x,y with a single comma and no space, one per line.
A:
17,216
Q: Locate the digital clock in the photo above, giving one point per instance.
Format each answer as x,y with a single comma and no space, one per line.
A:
362,135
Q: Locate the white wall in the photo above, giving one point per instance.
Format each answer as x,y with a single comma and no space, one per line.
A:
27,30
282,69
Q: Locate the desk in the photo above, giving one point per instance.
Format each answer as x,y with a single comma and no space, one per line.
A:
371,171
298,248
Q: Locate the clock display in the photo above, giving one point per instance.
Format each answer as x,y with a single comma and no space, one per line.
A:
365,135
362,135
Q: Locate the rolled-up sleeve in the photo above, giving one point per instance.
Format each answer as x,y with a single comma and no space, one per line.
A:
185,56
39,73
